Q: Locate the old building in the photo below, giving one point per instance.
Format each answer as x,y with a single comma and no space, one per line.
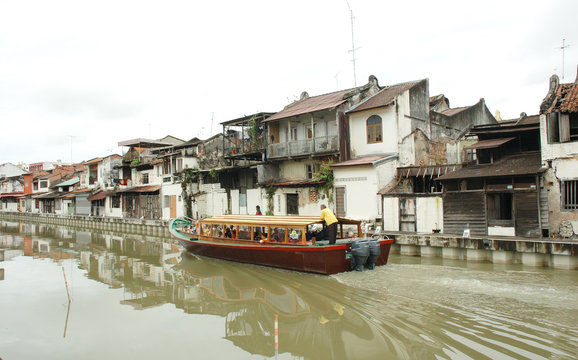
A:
496,192
559,149
380,138
302,139
11,187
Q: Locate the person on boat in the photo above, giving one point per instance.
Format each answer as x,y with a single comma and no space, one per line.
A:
234,233
228,233
330,231
275,236
258,210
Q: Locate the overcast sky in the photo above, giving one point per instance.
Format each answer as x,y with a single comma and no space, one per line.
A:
77,77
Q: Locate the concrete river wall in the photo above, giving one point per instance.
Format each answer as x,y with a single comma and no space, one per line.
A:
538,252
135,226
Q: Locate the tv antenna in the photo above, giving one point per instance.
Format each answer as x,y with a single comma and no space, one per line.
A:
563,48
352,51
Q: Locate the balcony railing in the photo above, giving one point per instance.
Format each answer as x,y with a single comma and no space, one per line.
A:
237,147
316,145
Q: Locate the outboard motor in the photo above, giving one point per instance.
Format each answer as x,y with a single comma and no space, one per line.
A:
360,253
374,252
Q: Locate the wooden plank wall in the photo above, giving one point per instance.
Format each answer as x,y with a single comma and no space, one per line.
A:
527,214
463,209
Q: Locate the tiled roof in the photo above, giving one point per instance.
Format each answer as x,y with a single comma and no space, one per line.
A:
384,97
311,104
567,98
93,161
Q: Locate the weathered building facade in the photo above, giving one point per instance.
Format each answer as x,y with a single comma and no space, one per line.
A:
559,150
497,190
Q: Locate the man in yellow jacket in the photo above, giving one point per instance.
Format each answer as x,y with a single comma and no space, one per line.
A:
330,231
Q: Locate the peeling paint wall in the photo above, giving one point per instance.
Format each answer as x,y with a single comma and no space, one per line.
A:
561,159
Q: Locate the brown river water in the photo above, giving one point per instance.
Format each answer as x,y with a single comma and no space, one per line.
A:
139,297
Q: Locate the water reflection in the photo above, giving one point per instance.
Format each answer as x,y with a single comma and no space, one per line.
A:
400,311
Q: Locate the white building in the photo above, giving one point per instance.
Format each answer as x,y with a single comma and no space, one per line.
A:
559,151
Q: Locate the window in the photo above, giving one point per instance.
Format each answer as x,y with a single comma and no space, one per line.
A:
166,166
562,127
311,170
569,195
500,206
115,201
573,119
43,184
145,178
374,133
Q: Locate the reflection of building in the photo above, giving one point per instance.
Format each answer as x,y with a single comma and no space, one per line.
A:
313,316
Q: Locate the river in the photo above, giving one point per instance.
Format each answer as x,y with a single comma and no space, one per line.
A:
138,297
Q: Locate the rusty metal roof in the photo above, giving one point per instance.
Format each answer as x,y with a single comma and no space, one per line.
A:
453,111
366,160
514,165
100,195
144,143
384,97
295,183
141,189
311,104
490,143
14,194
245,119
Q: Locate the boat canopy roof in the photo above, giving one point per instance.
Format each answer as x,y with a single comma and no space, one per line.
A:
266,220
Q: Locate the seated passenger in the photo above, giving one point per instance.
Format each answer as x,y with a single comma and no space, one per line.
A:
228,233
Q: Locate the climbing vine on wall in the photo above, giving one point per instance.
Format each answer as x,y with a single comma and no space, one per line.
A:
270,193
189,177
255,131
325,176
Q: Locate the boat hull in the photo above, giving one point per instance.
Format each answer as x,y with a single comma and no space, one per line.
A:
328,259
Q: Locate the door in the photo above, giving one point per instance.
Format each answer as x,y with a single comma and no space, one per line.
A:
173,206
407,215
292,204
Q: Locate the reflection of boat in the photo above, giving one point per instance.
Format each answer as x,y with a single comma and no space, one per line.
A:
317,317
286,242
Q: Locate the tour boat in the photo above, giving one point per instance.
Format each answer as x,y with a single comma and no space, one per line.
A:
287,242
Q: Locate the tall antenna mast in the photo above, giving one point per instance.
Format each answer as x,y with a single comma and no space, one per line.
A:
563,47
352,51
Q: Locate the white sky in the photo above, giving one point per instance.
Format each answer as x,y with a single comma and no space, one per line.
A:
77,77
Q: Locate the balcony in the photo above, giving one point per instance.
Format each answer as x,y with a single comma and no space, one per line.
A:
318,145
